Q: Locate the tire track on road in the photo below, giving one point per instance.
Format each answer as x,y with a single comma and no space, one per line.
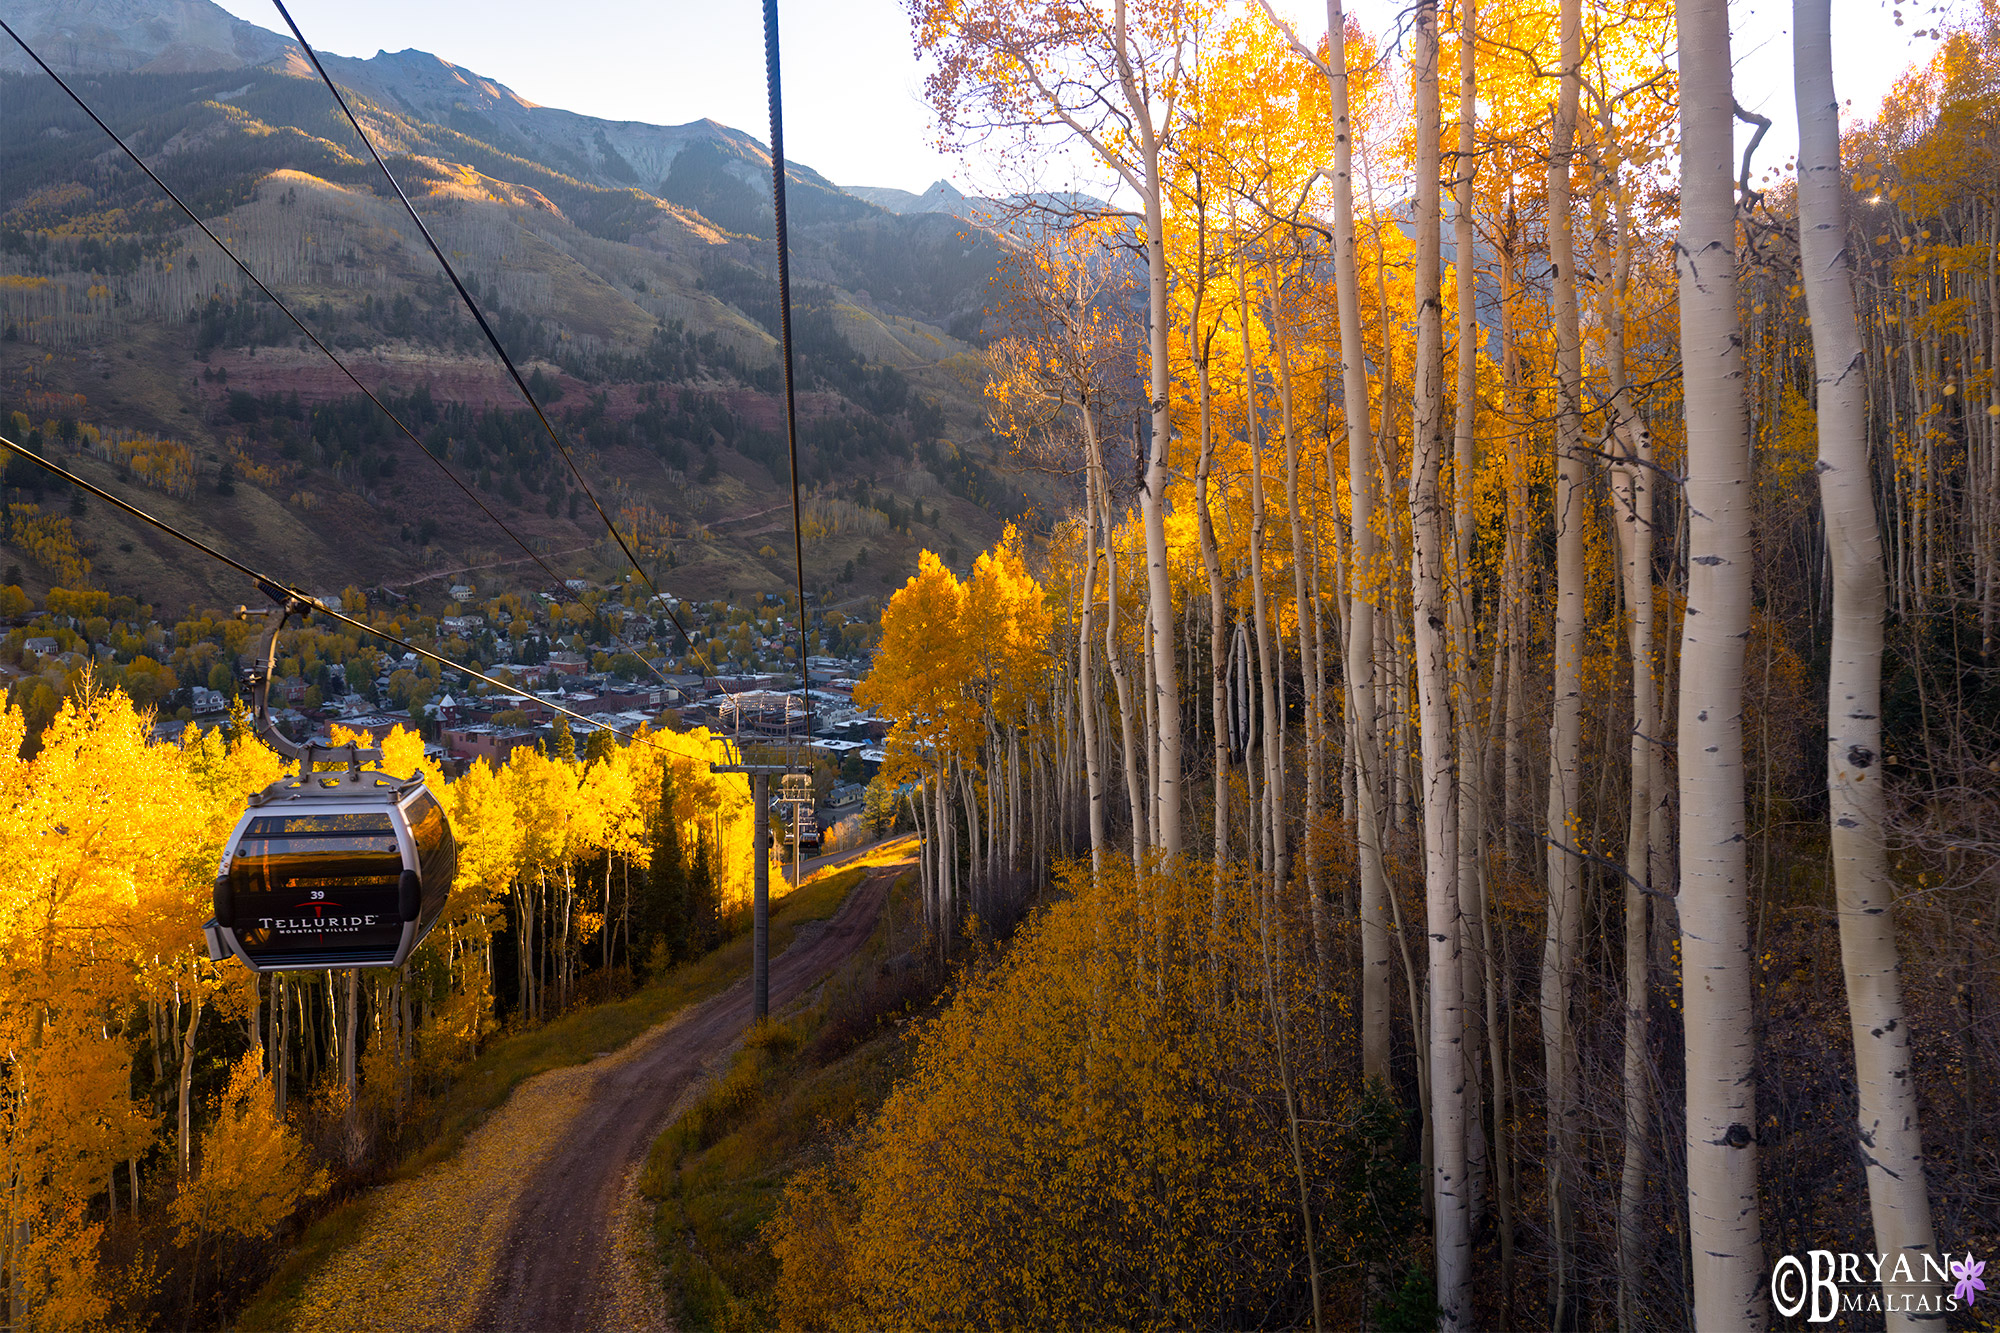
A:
526,1226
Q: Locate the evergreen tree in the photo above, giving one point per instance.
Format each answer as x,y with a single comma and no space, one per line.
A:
565,744
704,902
664,925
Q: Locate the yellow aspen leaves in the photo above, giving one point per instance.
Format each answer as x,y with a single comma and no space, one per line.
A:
254,1169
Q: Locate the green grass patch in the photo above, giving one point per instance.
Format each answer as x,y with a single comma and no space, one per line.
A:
572,1039
716,1174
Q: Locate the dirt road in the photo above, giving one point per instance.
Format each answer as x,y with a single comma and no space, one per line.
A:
528,1226
815,864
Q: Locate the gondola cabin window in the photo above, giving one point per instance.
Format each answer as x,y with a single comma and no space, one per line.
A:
437,854
307,884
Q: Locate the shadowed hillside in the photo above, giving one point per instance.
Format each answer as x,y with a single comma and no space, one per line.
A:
627,267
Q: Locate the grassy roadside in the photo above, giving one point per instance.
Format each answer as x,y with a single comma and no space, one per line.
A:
575,1038
715,1175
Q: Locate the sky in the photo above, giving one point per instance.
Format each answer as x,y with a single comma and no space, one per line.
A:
854,107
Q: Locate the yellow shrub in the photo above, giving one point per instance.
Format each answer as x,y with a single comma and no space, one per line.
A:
1092,1135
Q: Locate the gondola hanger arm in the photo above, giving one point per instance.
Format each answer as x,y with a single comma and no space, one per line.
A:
264,656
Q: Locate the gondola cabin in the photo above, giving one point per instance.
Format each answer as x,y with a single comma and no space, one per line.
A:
803,826
333,870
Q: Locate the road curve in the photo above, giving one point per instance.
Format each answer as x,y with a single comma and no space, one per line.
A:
527,1225
833,860
558,1264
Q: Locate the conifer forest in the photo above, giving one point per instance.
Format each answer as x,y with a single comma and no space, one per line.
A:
1471,800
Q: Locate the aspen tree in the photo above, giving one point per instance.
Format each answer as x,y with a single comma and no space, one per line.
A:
1891,1142
1055,377
1360,658
1114,656
1472,789
1201,338
1110,76
1561,829
1725,1238
1451,1200
1086,682
1279,860
1110,79
1514,580
1632,514
1305,607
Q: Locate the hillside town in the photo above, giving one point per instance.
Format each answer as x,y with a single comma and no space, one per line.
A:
603,663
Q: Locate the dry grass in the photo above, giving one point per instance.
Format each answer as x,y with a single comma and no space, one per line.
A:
412,1253
718,1171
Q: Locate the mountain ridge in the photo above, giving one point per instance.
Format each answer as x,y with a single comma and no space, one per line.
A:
627,265
198,36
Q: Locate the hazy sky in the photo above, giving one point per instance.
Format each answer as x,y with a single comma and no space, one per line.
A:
853,88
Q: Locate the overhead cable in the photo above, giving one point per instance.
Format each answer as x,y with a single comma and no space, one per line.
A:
772,80
274,299
484,327
282,594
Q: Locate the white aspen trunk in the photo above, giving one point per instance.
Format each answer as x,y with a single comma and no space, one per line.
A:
1166,762
534,945
1392,631
1632,514
349,1066
1014,798
1279,861
984,841
1725,1237
1498,1041
281,1039
1561,828
1451,1200
1199,339
520,900
1040,799
1361,676
947,858
1330,765
1086,681
1891,1144
1121,681
1119,678
933,792
1632,520
970,799
940,875
1303,614
566,939
926,852
1150,716
1218,625
186,1122
1513,594
982,892
1342,576
1256,828
1465,677
256,1025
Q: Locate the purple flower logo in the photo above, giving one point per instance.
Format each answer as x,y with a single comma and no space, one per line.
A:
1967,1272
